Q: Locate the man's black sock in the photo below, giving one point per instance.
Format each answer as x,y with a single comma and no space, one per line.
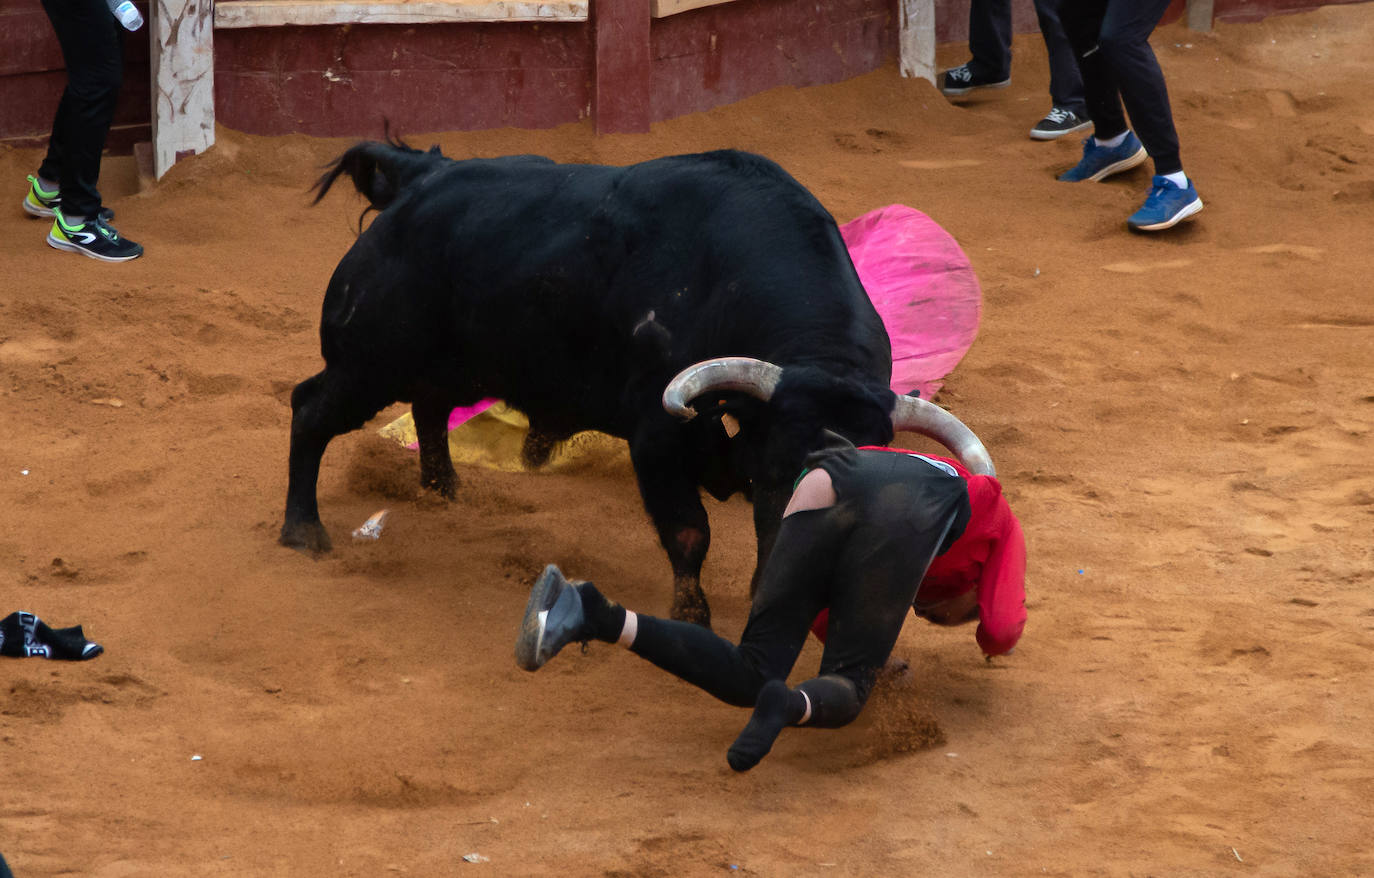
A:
605,618
776,707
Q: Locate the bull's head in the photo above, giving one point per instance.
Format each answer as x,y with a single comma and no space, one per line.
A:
759,378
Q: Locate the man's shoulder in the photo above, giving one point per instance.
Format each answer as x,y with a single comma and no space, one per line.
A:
947,465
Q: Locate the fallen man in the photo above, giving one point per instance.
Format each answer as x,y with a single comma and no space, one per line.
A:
867,533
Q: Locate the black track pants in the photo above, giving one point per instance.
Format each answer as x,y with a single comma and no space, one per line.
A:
1111,39
990,38
93,50
863,557
1066,83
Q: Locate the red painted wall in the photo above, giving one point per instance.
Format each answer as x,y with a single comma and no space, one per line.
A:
951,19
721,54
344,80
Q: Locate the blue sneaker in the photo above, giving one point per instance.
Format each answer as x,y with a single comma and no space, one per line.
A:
1167,205
553,619
1100,162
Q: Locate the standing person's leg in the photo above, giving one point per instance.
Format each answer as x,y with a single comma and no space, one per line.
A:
989,39
1113,148
1066,83
1124,43
1068,109
1082,23
989,42
93,52
45,189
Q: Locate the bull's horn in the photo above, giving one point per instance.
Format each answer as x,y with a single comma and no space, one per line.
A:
758,378
915,415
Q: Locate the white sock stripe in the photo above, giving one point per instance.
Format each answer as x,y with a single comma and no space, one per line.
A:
806,715
628,630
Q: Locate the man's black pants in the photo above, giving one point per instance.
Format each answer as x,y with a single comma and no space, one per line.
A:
863,558
1111,39
93,50
989,42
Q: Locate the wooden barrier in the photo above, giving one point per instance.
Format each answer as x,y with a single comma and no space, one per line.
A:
336,67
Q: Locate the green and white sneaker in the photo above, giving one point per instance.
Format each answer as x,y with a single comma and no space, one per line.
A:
95,238
41,202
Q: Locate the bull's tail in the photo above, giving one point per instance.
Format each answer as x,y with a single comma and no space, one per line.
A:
381,171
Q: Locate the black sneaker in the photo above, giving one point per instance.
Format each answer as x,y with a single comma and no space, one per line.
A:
94,238
961,80
40,202
1058,122
553,619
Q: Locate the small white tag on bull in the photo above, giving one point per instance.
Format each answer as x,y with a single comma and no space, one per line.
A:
372,528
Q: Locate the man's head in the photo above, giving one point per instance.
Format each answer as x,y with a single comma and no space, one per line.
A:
957,610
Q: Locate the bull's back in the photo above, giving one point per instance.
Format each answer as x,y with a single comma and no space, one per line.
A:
771,276
534,273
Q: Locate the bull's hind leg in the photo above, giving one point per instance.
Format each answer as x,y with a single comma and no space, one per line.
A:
322,407
431,410
674,504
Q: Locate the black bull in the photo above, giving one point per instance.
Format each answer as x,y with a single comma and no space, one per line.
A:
576,293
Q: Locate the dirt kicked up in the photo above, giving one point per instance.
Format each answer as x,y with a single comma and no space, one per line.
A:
1182,422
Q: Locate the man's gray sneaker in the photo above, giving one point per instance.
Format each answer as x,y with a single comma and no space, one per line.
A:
961,80
1058,122
553,619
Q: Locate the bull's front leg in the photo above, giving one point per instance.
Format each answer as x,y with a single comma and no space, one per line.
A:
687,553
674,505
302,528
322,407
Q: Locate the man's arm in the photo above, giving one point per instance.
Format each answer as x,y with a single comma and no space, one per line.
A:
1002,586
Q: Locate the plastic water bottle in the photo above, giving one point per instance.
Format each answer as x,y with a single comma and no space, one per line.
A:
126,12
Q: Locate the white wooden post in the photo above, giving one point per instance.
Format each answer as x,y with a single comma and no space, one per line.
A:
916,38
182,57
1200,14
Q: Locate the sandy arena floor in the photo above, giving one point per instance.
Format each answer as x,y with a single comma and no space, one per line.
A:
1183,423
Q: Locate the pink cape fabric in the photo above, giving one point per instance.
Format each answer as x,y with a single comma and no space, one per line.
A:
922,285
924,289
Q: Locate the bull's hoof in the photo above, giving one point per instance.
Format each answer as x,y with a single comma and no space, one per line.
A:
537,448
445,485
305,536
691,608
